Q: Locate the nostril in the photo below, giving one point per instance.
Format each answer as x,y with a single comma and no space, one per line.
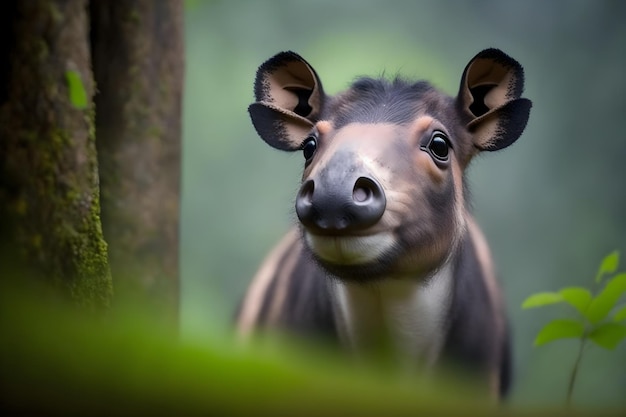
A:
364,190
304,203
368,203
306,192
360,195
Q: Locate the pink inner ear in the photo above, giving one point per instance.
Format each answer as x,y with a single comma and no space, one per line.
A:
303,108
493,83
293,87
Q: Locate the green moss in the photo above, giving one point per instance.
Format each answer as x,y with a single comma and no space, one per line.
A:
134,16
59,139
20,207
28,137
41,50
72,196
36,242
93,287
154,132
54,13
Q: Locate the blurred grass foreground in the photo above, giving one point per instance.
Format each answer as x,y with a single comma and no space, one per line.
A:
56,359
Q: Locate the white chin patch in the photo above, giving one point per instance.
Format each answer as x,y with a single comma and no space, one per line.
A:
352,250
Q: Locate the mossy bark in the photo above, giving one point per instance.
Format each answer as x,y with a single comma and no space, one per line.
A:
138,66
49,194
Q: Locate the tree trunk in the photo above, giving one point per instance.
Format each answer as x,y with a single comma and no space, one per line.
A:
49,198
138,66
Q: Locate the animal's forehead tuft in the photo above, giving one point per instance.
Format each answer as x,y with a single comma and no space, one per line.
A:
378,100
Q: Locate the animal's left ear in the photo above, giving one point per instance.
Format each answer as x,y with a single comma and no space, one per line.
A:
490,94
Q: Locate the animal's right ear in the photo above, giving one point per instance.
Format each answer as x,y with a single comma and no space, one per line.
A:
289,98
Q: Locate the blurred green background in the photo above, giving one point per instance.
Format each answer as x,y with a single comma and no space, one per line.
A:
551,206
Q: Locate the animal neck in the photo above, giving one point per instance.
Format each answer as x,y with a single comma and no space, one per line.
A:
403,317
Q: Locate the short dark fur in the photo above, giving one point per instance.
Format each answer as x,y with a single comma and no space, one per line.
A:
308,311
370,100
470,343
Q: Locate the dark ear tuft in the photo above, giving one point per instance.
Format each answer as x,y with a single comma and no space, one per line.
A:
490,98
505,126
289,98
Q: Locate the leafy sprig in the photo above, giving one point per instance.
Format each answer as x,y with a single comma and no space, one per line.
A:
593,319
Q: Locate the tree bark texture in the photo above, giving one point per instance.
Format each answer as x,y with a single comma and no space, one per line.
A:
138,66
49,198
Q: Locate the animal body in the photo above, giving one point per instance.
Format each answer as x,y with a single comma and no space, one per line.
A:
386,253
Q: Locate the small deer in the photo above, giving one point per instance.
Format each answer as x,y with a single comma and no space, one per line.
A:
386,253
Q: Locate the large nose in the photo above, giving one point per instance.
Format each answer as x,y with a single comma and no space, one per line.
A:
342,201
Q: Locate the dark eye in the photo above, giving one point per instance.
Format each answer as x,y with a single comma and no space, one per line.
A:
438,147
308,147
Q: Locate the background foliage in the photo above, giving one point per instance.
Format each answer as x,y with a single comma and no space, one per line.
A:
551,206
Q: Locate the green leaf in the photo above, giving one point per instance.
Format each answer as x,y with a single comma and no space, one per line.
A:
578,297
608,335
542,299
620,314
609,265
78,96
559,329
604,302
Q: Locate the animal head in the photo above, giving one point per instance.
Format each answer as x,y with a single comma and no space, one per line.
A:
383,181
